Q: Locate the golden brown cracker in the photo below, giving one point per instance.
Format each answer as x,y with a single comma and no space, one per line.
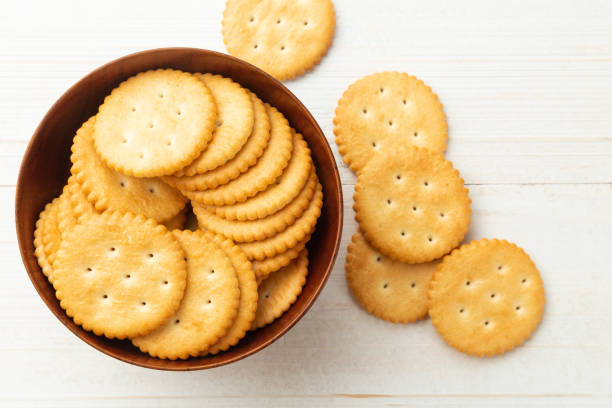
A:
233,125
385,110
278,194
47,236
119,275
154,123
178,221
284,38
245,158
390,290
208,307
266,266
280,290
76,207
269,166
411,204
303,226
106,188
248,295
486,297
258,229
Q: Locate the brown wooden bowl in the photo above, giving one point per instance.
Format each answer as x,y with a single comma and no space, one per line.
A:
46,165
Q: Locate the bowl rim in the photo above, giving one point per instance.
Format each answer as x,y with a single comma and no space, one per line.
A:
24,241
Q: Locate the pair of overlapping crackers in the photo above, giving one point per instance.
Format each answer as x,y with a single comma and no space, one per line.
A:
128,258
413,209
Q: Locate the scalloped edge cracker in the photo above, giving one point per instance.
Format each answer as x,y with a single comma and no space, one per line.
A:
412,204
107,189
244,159
387,109
269,166
119,274
155,123
387,289
285,39
486,297
208,308
280,290
259,229
303,226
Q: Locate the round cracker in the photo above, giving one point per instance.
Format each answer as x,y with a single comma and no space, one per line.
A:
411,204
234,124
106,188
280,290
302,227
384,110
284,38
259,229
265,267
119,275
390,290
76,208
177,222
155,123
278,194
208,307
246,157
248,295
486,297
269,166
72,206
47,236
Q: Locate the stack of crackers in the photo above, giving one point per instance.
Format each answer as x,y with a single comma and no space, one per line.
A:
124,252
413,209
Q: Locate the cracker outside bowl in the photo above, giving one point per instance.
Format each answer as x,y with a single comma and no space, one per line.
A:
46,164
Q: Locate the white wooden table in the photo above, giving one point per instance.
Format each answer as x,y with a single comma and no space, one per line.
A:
527,87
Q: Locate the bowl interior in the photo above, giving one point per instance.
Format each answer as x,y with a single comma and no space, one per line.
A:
46,166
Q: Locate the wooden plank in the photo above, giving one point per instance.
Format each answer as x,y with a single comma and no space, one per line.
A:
340,400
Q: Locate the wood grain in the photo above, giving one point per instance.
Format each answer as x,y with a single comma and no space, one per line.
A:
527,87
